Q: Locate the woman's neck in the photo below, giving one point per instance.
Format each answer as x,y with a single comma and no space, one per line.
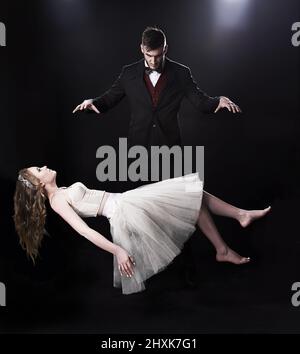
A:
50,189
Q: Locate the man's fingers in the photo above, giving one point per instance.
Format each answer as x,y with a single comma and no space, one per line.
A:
94,108
86,105
234,109
217,109
227,103
76,109
83,106
237,109
228,107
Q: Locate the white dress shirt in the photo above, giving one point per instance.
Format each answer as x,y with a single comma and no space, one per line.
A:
154,76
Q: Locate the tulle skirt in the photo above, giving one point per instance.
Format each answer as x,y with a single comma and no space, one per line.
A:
152,223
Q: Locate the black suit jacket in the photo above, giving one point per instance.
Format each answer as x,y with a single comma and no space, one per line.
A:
159,125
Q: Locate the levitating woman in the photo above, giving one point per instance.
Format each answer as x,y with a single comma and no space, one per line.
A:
149,224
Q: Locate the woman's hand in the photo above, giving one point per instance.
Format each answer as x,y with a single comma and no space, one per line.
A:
125,262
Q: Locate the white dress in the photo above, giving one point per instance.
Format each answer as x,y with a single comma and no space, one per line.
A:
110,205
151,222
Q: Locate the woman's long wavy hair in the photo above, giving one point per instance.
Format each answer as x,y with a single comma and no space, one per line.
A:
29,212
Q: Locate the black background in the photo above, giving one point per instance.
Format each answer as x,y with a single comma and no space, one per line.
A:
61,52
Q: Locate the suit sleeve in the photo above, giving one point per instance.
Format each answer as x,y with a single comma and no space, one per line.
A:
198,98
111,97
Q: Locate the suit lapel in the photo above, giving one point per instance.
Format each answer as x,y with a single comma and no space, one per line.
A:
169,81
141,85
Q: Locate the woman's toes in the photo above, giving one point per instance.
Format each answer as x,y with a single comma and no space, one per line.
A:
247,217
232,257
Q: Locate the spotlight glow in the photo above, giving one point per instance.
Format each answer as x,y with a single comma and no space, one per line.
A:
230,13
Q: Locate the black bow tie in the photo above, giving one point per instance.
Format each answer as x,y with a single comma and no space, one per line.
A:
149,71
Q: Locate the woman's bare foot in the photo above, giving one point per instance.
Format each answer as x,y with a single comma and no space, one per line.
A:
247,216
228,255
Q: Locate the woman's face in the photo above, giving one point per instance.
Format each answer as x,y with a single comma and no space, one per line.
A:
44,174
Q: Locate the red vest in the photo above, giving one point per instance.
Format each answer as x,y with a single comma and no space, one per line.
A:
155,91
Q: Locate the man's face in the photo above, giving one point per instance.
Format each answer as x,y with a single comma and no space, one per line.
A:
154,57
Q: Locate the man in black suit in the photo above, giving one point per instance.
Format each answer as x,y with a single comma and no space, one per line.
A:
155,87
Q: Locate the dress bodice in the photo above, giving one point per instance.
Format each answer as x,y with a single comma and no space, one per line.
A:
86,202
110,204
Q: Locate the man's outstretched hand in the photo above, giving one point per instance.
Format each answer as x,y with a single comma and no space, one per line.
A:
225,102
86,104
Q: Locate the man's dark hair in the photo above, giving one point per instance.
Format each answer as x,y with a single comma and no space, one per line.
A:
153,38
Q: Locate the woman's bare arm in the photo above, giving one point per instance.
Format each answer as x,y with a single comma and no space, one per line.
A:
60,205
